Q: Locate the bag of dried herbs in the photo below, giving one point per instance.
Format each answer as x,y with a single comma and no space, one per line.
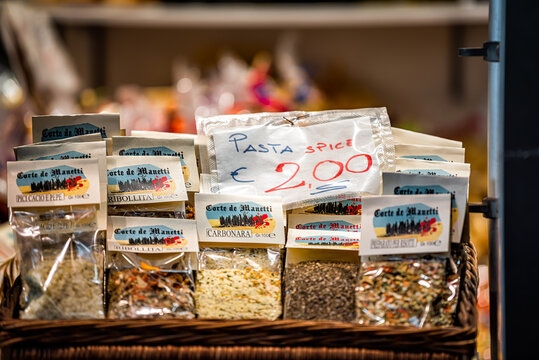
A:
319,284
143,284
54,206
239,283
397,291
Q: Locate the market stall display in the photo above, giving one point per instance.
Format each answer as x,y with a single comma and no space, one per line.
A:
350,255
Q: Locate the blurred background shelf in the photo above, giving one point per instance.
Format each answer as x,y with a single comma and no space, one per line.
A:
272,15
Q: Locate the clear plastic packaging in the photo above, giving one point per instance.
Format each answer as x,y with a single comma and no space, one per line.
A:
404,291
151,286
320,290
239,283
169,210
61,262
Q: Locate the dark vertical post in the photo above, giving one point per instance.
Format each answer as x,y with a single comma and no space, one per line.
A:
520,241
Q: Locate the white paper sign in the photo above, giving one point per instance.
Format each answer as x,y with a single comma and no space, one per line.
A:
144,180
53,183
298,163
413,224
55,127
411,184
151,235
239,219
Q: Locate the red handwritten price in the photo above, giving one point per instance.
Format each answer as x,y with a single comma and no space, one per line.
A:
339,167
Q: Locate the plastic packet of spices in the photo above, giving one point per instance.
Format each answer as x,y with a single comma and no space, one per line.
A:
150,267
239,283
151,286
54,215
306,158
320,280
403,290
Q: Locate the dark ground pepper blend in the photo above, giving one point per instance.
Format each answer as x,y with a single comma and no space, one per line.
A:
321,290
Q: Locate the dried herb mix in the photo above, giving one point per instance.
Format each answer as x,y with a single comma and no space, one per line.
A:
136,293
239,284
321,290
399,292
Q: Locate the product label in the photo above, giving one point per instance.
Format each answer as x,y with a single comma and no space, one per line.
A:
151,235
430,153
407,184
343,207
319,239
324,222
402,136
53,183
140,179
396,224
424,167
183,149
54,127
239,219
66,151
298,163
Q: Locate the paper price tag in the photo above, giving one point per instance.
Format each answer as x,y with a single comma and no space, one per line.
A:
298,163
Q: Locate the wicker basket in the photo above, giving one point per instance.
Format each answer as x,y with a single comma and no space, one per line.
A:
207,339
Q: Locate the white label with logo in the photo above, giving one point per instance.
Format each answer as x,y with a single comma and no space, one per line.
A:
397,224
55,127
144,179
239,219
151,235
53,183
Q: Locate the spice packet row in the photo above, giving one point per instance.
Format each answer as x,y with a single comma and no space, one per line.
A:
411,184
144,179
304,157
324,231
239,219
430,153
73,150
181,148
55,127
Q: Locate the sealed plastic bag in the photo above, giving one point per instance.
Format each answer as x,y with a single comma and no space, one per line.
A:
401,291
61,262
54,215
320,290
239,283
306,158
151,286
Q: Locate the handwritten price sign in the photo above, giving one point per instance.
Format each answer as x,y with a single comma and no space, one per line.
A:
299,164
